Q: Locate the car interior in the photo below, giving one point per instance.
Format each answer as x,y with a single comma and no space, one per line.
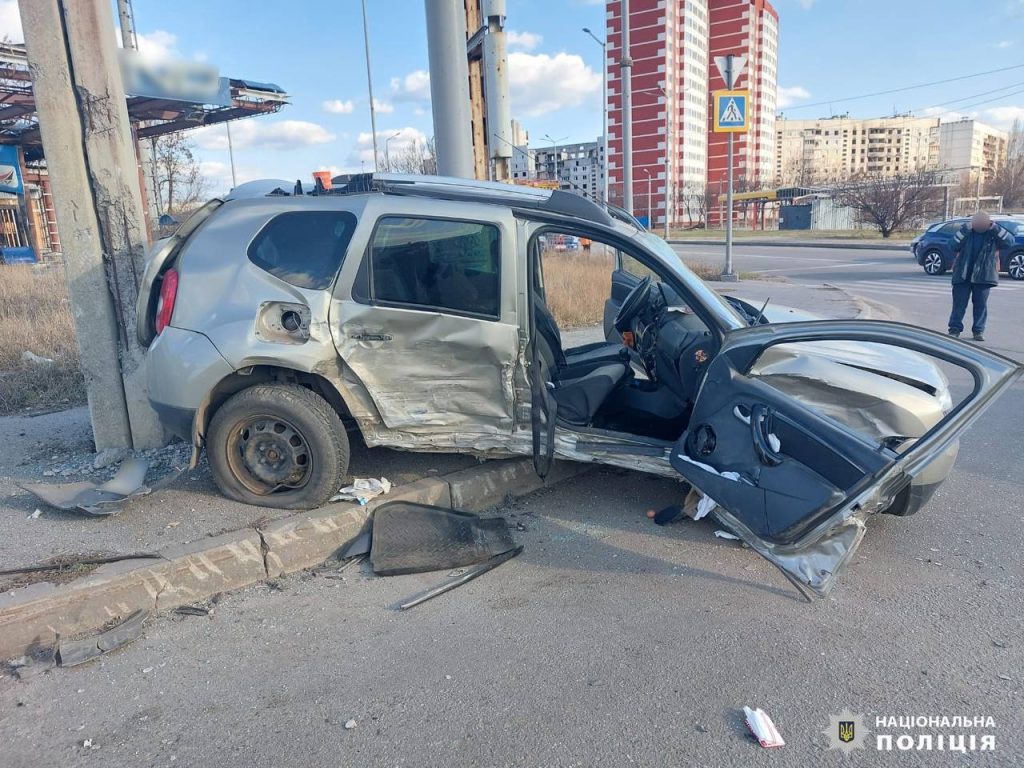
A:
643,377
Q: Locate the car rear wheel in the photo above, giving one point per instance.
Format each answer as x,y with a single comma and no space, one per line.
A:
278,445
1015,265
933,263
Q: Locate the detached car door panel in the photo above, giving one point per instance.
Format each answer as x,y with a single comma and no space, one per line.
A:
797,485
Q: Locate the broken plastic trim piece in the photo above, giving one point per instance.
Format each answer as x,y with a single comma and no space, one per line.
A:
95,499
458,581
71,653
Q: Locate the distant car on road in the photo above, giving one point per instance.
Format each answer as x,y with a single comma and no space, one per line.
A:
933,249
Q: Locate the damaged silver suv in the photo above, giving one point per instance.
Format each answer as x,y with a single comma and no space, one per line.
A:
415,310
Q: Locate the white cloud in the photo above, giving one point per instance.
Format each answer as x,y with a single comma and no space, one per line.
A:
413,87
787,97
338,107
265,134
157,45
1004,44
525,41
10,22
383,107
947,115
1003,117
539,83
406,138
806,4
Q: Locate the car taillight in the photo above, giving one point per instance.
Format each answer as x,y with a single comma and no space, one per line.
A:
165,306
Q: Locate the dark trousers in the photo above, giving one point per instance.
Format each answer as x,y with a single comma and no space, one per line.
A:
978,296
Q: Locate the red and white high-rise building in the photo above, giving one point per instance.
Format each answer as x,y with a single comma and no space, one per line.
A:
673,44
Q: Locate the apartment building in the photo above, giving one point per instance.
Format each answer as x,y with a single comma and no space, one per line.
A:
577,167
972,148
672,45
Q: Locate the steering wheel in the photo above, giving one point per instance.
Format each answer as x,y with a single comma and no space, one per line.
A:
635,301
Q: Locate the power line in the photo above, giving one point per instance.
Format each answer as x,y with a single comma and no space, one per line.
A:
906,88
976,104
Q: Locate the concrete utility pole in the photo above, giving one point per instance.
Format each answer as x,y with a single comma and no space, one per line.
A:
83,119
449,87
499,116
626,80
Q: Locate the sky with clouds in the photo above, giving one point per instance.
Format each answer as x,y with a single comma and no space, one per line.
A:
829,51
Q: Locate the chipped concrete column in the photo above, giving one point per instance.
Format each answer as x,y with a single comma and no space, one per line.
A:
83,120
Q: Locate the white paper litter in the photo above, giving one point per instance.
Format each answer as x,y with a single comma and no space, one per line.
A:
363,489
727,535
763,728
735,476
705,505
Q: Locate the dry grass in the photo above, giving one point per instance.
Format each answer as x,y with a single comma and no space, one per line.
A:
35,316
577,285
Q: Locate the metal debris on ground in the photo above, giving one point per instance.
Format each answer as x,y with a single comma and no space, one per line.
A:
71,653
763,728
467,576
92,498
64,561
196,609
726,535
363,490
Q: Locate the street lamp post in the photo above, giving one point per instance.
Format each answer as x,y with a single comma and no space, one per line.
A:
669,202
650,218
369,86
387,149
555,155
604,111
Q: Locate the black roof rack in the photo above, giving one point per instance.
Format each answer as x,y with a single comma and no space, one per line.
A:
471,191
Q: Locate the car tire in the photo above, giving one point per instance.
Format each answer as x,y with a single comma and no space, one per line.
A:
277,445
933,262
1015,265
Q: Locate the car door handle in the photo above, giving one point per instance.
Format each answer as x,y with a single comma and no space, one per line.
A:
371,337
766,445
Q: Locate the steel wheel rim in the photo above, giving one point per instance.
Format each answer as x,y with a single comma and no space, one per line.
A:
1016,266
932,262
267,454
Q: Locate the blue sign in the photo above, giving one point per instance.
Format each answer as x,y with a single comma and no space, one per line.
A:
731,111
10,169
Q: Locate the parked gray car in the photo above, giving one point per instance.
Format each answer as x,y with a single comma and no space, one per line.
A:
414,309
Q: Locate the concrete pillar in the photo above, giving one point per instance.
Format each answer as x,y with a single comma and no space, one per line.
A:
449,87
87,140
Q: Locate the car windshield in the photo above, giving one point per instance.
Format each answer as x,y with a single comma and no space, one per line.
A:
702,292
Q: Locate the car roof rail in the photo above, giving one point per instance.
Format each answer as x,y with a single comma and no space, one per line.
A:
472,191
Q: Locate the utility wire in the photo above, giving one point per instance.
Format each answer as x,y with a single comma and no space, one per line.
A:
906,88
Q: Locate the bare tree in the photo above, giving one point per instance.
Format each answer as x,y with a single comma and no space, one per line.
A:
889,202
694,199
1008,180
179,183
418,158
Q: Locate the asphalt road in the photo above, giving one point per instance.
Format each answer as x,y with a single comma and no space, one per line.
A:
610,641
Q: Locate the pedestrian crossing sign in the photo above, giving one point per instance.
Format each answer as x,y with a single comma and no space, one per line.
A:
731,111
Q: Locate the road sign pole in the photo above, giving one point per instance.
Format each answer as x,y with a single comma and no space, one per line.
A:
728,274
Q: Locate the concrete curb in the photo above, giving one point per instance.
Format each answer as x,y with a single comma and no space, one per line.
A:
34,617
854,245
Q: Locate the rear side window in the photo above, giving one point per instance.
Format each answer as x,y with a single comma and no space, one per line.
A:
453,266
951,228
304,248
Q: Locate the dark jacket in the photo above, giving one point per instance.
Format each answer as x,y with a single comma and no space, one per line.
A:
986,263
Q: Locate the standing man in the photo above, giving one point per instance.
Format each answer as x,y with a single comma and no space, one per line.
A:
975,270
